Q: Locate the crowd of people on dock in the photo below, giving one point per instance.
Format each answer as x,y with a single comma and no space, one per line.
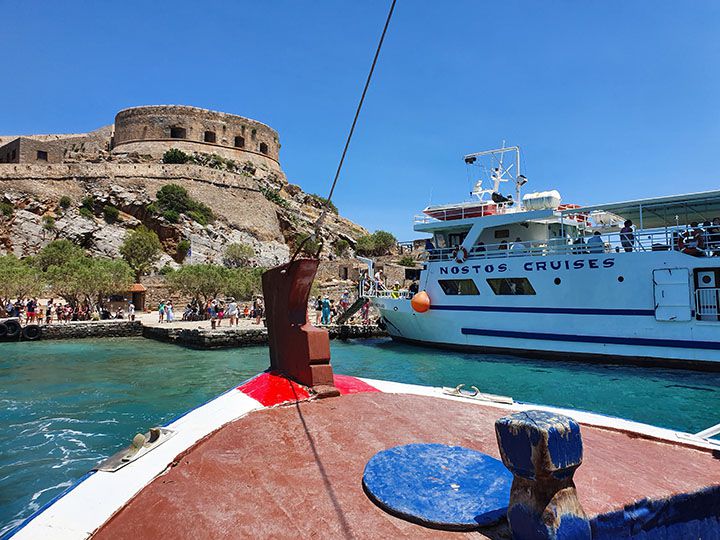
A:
327,310
216,310
32,311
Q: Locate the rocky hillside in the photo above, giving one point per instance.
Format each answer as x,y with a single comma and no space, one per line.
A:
76,200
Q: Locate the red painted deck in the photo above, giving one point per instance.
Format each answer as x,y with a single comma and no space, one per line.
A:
295,471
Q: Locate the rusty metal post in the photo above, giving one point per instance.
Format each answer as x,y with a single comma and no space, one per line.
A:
542,450
297,348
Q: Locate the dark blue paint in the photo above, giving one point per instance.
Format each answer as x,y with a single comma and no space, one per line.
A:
687,515
525,526
440,486
45,506
569,311
518,434
647,342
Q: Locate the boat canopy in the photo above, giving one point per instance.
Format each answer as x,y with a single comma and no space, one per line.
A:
659,211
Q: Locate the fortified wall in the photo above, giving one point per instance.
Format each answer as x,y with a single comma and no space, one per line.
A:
150,131
70,185
155,129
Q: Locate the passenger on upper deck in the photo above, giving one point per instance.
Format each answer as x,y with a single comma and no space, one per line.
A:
714,237
627,237
595,243
517,247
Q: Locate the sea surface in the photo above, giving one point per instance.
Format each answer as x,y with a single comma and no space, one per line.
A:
66,405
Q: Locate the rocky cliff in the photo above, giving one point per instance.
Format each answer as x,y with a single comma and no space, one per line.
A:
253,205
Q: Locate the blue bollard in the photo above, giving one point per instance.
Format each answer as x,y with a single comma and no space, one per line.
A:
542,451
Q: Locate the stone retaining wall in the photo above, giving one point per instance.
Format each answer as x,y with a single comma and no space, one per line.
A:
227,338
92,329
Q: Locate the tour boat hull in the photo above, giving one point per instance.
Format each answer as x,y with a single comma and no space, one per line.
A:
629,307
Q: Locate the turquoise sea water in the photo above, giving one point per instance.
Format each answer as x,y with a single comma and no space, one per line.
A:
65,405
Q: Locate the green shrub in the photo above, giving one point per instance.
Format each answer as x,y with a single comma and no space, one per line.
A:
152,209
171,215
383,242
310,247
406,260
110,213
88,202
175,199
340,247
48,223
86,212
175,156
274,196
166,270
65,202
324,202
377,243
6,209
238,255
183,248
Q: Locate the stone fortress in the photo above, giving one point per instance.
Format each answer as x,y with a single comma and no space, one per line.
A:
121,166
152,130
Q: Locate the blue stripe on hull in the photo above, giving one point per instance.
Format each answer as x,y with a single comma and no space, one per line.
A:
569,311
647,342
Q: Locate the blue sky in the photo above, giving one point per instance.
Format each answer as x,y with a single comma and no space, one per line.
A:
608,100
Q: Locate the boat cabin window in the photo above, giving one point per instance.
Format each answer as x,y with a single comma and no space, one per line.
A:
439,240
454,287
511,286
455,239
502,233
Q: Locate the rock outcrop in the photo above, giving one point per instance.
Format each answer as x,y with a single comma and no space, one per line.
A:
256,207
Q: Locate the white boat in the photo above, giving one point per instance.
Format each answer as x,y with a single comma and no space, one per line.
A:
531,275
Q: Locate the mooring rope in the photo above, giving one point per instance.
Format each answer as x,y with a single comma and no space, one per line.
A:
321,219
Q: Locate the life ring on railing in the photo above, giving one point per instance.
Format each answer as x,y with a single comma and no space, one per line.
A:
460,254
688,242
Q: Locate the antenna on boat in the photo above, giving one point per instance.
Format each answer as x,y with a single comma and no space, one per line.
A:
498,172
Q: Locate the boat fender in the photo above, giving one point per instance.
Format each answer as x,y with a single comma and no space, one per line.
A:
420,302
460,254
3,330
13,329
32,332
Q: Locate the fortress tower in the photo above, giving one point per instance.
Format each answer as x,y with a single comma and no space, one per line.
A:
155,129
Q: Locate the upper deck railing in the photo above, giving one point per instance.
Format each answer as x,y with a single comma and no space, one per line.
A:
695,241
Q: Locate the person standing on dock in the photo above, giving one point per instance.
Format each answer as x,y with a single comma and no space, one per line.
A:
131,311
161,311
232,312
325,311
318,309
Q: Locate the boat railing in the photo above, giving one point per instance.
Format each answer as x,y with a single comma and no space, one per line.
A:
707,303
703,242
369,288
467,211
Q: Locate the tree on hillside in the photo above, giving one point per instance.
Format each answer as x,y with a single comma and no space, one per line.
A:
237,255
57,253
201,281
243,283
207,281
18,279
141,249
377,243
85,279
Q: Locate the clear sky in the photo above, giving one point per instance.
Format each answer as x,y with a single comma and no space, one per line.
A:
609,100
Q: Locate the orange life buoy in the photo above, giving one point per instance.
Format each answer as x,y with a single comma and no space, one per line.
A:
460,254
689,241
